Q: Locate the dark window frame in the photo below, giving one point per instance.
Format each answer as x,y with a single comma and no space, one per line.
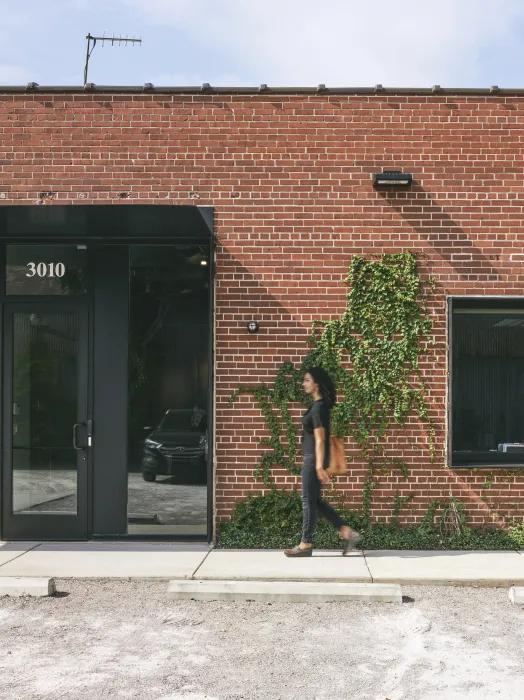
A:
474,302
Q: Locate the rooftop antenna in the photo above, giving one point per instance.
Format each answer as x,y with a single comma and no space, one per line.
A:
113,39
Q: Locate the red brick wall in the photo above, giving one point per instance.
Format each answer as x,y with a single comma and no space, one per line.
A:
290,178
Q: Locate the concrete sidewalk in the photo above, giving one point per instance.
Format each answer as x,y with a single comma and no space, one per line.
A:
168,561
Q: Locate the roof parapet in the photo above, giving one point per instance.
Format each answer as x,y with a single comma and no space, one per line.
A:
262,88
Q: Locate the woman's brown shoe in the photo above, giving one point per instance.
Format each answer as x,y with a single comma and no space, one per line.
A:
299,552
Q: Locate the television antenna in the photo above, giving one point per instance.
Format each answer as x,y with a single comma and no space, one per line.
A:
118,40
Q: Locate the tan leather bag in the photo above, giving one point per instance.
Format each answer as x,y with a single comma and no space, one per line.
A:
337,456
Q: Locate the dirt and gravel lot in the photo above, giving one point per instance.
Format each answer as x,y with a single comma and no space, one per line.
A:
115,640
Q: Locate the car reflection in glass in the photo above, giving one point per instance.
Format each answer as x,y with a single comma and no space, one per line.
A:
177,445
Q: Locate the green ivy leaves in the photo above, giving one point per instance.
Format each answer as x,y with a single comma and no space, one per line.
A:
372,353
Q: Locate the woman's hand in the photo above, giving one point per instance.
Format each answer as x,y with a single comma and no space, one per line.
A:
320,452
323,476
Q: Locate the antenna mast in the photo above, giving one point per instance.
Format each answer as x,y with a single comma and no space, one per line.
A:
113,39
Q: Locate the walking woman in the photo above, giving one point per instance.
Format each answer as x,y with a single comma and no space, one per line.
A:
315,447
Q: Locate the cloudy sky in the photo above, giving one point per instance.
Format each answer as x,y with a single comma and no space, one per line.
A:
453,43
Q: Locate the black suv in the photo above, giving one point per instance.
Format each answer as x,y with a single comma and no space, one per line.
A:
179,442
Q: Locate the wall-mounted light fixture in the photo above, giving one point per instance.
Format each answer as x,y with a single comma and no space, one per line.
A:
198,259
253,327
392,178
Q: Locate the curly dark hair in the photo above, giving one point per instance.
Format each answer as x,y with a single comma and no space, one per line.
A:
325,384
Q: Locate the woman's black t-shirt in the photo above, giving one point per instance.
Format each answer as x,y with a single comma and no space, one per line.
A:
317,416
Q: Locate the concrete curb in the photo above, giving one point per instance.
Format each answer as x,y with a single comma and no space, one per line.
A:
516,595
283,591
17,586
451,582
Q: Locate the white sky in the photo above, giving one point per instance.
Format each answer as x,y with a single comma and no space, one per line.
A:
415,43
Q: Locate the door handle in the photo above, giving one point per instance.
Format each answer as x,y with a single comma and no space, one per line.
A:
88,425
75,428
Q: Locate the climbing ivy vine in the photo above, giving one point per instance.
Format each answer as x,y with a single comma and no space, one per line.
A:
372,353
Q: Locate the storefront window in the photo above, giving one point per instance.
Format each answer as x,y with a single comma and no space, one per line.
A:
487,398
168,390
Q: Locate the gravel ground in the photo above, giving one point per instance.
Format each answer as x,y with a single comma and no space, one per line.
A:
127,640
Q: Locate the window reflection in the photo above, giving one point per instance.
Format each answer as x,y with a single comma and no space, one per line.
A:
45,397
168,388
488,386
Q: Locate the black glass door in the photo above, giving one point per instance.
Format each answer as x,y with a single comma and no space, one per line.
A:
46,431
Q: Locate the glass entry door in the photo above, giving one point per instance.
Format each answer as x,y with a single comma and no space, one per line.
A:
46,427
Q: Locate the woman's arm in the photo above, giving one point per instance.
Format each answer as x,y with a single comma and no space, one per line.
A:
320,454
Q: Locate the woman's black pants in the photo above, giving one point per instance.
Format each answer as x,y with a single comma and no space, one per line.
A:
312,503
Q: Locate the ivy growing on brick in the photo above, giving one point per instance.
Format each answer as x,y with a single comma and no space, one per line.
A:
373,354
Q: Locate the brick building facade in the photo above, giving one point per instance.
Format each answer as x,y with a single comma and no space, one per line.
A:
289,174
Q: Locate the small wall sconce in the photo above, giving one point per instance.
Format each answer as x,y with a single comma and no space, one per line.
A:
198,259
253,327
392,178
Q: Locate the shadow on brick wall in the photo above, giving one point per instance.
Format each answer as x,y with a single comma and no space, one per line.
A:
431,221
244,294
452,243
285,316
284,307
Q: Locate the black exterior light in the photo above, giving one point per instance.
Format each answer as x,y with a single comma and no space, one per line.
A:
252,327
392,178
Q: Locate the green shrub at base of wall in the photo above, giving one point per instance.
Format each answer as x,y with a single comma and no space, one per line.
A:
516,533
274,521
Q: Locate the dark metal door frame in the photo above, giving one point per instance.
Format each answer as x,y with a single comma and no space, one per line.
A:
26,526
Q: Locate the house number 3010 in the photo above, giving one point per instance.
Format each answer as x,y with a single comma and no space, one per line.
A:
45,270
